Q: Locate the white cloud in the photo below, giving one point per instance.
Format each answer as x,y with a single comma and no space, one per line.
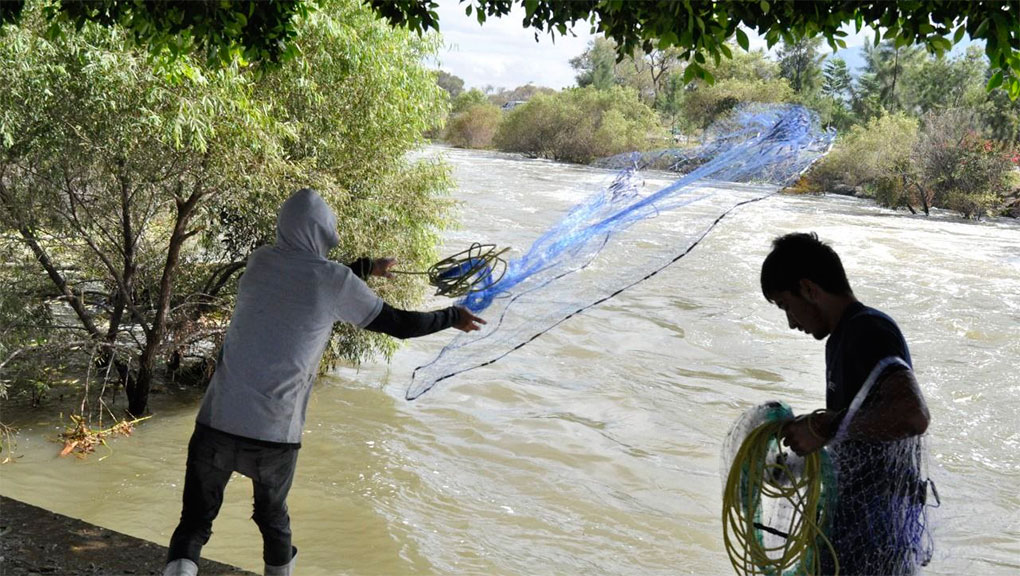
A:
503,53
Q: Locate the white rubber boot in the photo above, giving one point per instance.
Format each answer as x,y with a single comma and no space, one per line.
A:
181,567
285,570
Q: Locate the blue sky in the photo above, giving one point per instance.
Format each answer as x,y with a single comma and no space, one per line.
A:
503,54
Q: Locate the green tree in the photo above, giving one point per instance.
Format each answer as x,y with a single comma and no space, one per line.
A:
264,31
226,32
701,30
888,63
704,103
469,99
670,103
949,82
959,169
875,157
657,66
579,125
837,83
139,194
833,101
453,84
867,98
474,127
25,317
518,94
1001,116
596,66
800,64
755,64
647,72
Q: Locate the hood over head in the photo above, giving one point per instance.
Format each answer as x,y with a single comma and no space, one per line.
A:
306,223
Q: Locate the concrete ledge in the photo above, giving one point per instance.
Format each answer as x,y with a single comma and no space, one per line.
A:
37,542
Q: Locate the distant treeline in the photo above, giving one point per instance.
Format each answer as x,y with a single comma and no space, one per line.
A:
916,131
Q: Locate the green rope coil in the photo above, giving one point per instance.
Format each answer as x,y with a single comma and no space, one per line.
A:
751,478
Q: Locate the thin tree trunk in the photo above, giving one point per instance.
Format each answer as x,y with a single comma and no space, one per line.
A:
73,297
924,199
128,271
896,72
138,391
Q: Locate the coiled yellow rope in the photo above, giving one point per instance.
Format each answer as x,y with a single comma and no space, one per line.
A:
751,479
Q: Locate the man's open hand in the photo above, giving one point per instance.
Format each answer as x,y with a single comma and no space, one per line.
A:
381,267
466,321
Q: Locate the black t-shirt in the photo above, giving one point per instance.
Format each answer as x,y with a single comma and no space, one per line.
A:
878,482
862,338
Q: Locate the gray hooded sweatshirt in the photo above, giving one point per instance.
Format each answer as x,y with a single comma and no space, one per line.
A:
288,300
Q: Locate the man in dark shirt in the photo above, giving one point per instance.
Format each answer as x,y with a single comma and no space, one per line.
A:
874,410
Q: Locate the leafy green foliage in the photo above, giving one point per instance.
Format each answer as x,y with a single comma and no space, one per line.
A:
517,95
266,31
453,84
226,32
701,29
951,82
648,72
25,317
474,127
579,125
837,82
800,64
875,156
888,63
943,162
471,98
596,66
755,64
142,189
708,101
959,169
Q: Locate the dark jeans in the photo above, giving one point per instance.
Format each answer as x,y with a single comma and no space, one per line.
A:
212,457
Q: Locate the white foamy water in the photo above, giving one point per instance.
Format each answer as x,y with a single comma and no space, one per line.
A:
595,449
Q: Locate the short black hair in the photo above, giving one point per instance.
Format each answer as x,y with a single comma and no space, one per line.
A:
798,256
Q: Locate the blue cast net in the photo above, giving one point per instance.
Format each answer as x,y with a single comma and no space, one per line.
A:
629,230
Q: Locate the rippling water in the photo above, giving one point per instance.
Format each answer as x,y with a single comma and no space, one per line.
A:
595,450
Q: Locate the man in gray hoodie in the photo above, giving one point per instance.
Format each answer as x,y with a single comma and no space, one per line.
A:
253,412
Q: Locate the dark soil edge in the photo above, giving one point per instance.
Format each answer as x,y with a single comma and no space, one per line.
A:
37,542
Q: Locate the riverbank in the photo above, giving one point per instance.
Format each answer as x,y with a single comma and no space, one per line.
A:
34,542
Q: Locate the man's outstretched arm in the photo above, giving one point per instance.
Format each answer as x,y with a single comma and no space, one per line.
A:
409,324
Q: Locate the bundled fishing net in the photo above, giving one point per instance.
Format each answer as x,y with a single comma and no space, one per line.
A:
626,233
776,505
855,507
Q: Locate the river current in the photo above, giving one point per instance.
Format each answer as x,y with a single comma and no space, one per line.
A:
596,448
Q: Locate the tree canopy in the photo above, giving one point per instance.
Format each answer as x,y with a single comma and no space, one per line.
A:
264,31
139,194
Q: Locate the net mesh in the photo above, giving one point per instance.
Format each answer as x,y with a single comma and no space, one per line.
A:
776,505
628,231
882,521
876,507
